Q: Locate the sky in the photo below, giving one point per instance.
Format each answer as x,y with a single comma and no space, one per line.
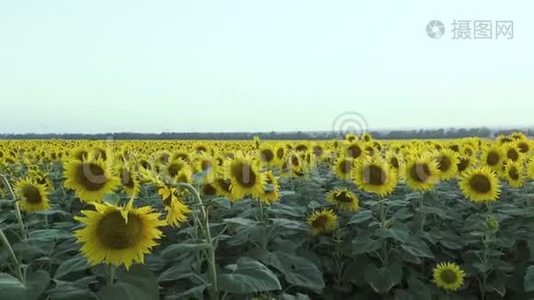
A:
262,65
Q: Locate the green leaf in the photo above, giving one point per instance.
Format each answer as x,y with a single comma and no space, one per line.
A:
382,280
360,217
177,271
529,279
112,198
176,250
240,221
364,244
75,264
36,283
297,270
139,283
248,276
8,281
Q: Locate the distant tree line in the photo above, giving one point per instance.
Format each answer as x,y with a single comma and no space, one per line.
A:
297,135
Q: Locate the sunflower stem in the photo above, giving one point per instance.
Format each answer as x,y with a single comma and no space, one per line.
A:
13,256
214,289
111,274
18,215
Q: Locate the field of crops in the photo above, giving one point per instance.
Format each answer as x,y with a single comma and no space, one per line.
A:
355,218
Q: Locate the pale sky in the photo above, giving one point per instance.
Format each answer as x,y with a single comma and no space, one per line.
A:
252,65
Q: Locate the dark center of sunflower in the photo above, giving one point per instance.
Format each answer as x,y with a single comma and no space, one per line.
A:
375,175
32,194
113,231
295,161
394,162
512,154
201,149
455,148
420,172
267,155
164,158
81,155
463,164
318,151
145,164
345,166
301,148
126,178
101,153
280,153
480,183
444,163
354,151
343,197
91,176
224,184
209,189
448,276
320,222
513,173
173,169
492,159
244,174
523,147
182,156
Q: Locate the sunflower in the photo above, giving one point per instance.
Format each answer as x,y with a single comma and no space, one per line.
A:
33,196
447,163
322,221
530,168
128,181
118,235
374,175
177,211
344,167
493,157
206,164
480,185
245,177
271,190
172,168
343,199
464,162
223,187
353,150
512,152
513,173
448,276
266,154
209,189
421,173
90,179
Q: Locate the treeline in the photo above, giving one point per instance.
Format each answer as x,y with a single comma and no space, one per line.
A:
298,135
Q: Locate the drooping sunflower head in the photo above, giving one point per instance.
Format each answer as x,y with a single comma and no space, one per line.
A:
271,190
322,221
447,163
245,176
421,173
343,199
91,179
175,207
128,180
480,185
344,167
32,196
514,174
375,175
118,235
448,276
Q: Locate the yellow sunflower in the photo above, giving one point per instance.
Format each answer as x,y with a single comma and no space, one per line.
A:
343,199
353,150
177,210
271,190
266,154
513,173
421,173
344,167
480,185
493,157
512,152
128,181
118,235
90,179
447,163
32,196
245,177
530,168
322,221
448,276
375,175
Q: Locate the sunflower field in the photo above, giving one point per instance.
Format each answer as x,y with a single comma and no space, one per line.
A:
354,218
